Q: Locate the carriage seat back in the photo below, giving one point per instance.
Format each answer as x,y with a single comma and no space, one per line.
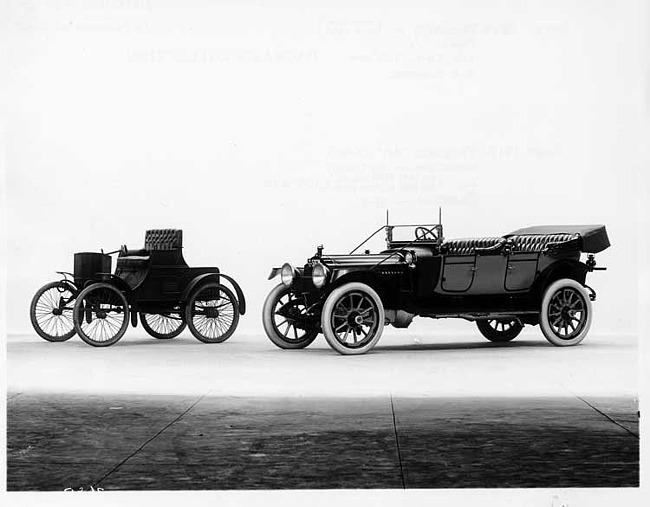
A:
163,239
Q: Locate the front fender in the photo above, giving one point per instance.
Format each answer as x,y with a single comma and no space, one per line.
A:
274,272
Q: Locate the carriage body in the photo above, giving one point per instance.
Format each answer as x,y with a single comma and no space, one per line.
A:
153,285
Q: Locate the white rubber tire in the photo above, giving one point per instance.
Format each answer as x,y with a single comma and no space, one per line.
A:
333,300
547,329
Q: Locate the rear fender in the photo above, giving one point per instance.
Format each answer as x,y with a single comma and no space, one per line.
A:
568,268
216,277
240,294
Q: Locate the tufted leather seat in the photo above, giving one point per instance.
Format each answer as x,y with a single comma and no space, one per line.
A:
163,239
540,242
467,246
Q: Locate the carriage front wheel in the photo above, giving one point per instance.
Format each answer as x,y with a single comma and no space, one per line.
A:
212,313
51,312
101,315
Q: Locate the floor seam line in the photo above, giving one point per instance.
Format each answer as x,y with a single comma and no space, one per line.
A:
399,452
608,417
149,440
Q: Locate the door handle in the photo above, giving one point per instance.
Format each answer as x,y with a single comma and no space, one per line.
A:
511,267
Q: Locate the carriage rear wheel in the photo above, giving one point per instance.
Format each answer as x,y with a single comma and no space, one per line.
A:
101,315
51,312
212,313
163,326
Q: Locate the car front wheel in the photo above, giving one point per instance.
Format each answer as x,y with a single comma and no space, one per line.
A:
499,330
285,320
566,313
353,318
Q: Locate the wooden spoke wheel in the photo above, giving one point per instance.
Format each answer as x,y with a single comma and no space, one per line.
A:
353,318
286,321
499,330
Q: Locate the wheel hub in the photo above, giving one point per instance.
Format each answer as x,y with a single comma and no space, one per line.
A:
212,312
101,314
57,311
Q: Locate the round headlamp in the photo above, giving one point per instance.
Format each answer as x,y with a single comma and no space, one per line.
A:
319,275
287,274
409,258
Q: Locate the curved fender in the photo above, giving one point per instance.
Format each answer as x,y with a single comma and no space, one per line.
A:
274,272
241,301
195,281
240,293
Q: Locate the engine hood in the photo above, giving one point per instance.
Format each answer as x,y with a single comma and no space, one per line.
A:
389,258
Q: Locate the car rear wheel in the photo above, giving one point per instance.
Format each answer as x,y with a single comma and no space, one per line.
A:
353,318
162,326
285,320
212,313
101,315
51,312
566,313
499,330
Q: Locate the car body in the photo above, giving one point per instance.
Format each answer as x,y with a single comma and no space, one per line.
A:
153,283
530,276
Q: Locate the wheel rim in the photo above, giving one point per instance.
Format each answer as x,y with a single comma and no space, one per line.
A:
501,326
355,319
212,315
288,312
164,324
567,313
53,312
104,315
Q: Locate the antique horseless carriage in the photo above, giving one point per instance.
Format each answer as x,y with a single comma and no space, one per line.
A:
153,283
529,276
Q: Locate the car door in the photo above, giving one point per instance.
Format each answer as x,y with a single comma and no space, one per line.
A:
489,273
458,272
520,270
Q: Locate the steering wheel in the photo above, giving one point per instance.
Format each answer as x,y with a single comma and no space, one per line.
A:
425,234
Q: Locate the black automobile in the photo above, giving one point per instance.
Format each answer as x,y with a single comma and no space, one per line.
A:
154,283
529,276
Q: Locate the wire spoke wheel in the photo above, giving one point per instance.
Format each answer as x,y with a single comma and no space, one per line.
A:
566,313
51,312
286,321
353,318
499,330
162,326
212,313
101,315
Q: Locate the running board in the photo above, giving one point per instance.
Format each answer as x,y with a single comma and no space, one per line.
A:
472,316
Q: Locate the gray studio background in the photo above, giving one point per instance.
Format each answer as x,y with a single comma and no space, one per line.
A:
263,129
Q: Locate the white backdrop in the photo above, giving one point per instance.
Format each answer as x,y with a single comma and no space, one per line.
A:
265,128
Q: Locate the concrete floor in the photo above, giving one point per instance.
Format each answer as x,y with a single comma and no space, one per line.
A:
420,411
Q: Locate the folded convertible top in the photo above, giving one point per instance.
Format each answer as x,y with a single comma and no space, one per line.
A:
594,237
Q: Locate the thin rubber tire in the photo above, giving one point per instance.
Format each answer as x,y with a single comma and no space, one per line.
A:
48,325
162,322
